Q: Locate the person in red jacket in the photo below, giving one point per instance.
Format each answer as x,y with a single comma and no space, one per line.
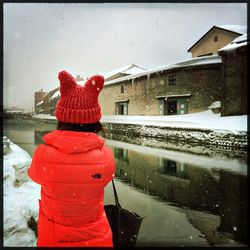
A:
73,166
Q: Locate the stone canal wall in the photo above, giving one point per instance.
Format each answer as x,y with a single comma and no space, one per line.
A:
201,141
193,136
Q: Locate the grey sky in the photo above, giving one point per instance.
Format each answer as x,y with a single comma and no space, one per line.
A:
42,39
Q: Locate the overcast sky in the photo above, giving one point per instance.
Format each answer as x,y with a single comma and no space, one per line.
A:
42,39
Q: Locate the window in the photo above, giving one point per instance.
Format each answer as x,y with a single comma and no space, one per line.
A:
122,88
215,38
172,80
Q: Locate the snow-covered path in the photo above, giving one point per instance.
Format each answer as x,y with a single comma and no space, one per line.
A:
200,120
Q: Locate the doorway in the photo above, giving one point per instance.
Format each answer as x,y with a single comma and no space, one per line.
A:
170,107
122,108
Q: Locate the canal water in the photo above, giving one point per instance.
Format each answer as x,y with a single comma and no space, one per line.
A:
188,199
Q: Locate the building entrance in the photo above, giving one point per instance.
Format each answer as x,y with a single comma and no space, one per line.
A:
122,108
171,107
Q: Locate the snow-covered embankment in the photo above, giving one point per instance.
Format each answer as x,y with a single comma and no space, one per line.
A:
20,199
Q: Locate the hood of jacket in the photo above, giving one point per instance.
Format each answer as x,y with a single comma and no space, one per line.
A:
72,142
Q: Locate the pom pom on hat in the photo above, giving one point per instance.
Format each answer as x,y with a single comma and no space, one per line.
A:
79,104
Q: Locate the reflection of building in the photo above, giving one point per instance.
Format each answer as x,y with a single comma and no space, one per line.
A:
218,192
121,153
174,168
233,208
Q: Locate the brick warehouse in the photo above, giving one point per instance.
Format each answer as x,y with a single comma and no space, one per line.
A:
180,89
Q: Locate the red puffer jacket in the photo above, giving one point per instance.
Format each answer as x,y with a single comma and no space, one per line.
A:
73,169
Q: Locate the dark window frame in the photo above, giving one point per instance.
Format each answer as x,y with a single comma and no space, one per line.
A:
216,39
122,88
172,80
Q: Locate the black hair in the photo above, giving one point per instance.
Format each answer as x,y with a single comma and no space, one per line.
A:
91,127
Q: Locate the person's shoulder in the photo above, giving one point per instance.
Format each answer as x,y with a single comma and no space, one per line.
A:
39,151
108,150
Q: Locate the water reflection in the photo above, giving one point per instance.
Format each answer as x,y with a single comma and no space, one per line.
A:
217,191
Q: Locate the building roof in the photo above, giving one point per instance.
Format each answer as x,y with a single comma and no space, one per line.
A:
237,29
240,29
56,94
236,43
51,92
190,62
128,70
175,95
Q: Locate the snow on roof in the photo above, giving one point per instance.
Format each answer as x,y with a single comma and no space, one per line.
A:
236,43
239,39
15,111
56,94
129,69
190,62
38,104
241,29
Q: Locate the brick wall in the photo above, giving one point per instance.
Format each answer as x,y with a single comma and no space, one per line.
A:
234,94
203,82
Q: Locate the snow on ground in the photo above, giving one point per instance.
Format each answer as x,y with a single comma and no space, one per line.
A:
20,200
45,116
200,120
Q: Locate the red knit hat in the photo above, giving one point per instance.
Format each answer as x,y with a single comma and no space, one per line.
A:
79,104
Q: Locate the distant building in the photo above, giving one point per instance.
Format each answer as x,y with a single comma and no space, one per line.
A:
48,109
123,71
53,100
78,78
38,100
216,38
